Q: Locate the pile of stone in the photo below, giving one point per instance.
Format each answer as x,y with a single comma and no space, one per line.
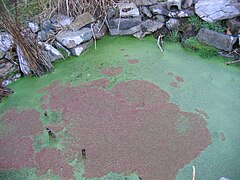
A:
62,36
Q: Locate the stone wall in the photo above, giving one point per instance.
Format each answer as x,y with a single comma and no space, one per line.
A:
62,36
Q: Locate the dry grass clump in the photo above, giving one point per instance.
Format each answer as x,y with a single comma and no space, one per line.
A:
76,7
35,61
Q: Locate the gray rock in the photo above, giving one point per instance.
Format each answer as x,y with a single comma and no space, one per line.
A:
6,41
218,40
99,29
24,66
159,9
81,21
111,13
195,1
2,54
61,48
151,26
47,25
3,61
173,24
234,25
6,82
161,18
10,55
33,26
148,27
212,10
50,52
224,178
177,3
45,35
128,10
181,14
187,4
146,2
81,48
126,26
2,65
6,69
60,20
71,39
145,11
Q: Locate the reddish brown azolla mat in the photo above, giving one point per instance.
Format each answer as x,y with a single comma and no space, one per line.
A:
132,128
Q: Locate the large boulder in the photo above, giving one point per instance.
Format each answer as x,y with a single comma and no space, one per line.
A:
128,10
173,24
64,51
124,26
218,40
144,10
71,39
177,3
60,20
99,29
76,51
212,10
159,9
33,26
148,27
51,53
81,21
6,41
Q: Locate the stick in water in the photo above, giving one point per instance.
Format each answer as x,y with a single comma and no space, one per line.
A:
51,134
84,154
193,173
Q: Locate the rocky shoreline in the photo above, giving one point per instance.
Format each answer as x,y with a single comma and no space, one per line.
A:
62,36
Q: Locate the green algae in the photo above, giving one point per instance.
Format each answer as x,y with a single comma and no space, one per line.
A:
208,85
18,174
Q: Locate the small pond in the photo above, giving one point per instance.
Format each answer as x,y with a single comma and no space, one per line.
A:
137,112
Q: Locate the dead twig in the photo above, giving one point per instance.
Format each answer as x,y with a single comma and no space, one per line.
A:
232,62
160,42
193,173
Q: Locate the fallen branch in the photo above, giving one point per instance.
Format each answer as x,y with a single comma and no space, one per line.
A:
232,62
